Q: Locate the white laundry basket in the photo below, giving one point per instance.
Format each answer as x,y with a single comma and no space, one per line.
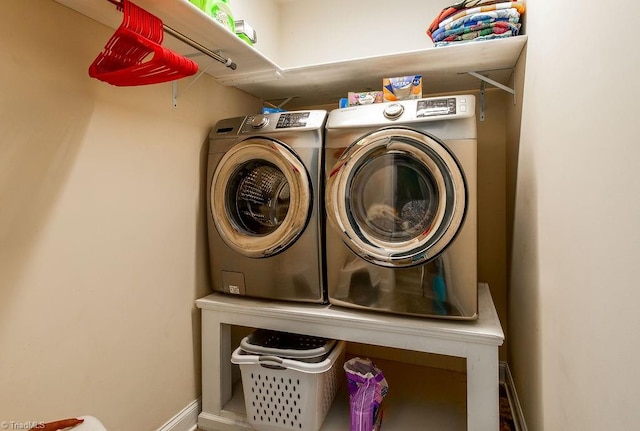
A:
288,394
306,348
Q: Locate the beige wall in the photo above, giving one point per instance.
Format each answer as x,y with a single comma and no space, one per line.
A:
492,253
263,16
102,238
576,240
302,32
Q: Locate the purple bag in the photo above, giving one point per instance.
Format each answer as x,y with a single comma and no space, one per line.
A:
367,387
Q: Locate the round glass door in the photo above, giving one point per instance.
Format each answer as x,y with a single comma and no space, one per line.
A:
397,196
260,197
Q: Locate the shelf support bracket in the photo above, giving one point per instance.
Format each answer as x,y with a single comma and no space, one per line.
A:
174,92
494,83
482,100
483,79
284,102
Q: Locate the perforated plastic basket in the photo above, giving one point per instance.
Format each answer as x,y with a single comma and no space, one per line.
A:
287,345
287,394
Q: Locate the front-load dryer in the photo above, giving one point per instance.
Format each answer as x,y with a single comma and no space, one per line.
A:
264,206
400,200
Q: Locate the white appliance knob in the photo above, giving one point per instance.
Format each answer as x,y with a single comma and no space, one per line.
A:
259,121
393,111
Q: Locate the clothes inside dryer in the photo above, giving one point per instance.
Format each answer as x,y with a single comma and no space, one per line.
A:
397,196
388,211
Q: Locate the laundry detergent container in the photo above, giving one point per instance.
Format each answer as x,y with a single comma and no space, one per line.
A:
289,380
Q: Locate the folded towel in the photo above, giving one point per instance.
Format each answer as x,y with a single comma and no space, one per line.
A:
474,26
519,6
451,10
443,21
476,39
512,14
493,28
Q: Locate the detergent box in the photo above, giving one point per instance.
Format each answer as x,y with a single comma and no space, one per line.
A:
402,88
364,98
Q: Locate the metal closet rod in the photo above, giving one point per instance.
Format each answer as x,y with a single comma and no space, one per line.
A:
192,43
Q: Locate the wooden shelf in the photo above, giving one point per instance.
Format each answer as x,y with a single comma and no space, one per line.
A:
443,68
186,18
431,397
476,341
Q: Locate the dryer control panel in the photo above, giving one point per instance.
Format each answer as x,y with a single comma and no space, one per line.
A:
433,109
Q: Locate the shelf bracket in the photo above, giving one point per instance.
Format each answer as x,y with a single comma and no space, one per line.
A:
494,83
485,80
482,100
279,106
174,92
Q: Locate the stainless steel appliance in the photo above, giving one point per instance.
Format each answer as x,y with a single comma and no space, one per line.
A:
400,200
263,195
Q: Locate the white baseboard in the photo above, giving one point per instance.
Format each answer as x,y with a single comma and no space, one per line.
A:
185,420
234,422
516,409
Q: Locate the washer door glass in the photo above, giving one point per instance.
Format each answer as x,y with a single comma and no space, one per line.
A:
260,197
397,196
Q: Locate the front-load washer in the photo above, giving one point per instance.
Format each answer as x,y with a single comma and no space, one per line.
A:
400,199
264,206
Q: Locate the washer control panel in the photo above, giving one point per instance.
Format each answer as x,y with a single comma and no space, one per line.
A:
281,121
258,121
293,119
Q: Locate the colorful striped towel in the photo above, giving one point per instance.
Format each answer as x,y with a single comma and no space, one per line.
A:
512,14
460,13
473,25
477,39
500,27
451,10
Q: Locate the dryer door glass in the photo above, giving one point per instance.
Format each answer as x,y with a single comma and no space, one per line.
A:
397,196
260,197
